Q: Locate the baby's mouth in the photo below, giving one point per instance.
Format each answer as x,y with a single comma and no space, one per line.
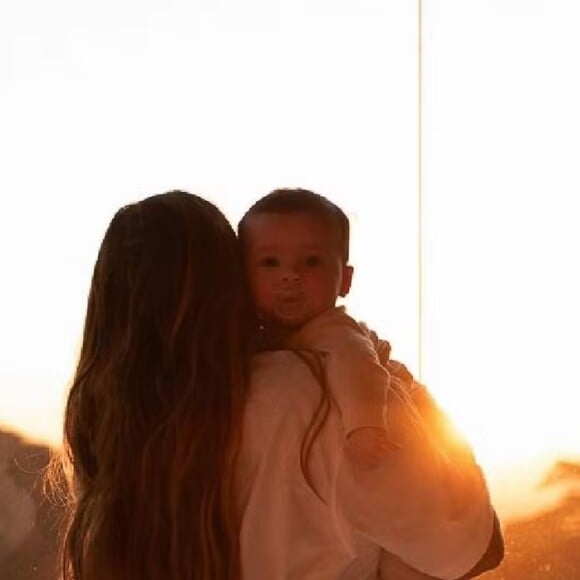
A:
290,303
290,297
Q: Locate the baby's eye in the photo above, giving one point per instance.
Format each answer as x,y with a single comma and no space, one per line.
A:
269,262
314,260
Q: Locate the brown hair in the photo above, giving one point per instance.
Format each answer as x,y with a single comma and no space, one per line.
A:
287,200
154,413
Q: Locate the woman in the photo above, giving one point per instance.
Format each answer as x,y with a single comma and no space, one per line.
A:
180,468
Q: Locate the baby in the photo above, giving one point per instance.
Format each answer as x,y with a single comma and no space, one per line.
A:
296,251
296,245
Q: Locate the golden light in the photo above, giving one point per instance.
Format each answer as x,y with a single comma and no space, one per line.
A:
518,446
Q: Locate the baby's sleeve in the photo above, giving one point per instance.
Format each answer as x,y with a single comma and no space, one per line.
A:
356,379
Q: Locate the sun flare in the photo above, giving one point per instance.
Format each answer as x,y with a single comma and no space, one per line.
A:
517,448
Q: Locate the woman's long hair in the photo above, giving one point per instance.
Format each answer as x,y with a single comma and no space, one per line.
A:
155,410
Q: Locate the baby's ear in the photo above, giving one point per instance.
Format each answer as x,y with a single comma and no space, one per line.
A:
347,272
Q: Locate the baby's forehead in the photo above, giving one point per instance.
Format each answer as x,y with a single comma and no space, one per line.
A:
271,223
296,231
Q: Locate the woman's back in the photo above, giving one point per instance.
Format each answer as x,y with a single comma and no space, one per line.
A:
335,525
287,530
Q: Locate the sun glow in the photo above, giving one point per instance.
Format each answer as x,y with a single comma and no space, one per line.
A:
518,444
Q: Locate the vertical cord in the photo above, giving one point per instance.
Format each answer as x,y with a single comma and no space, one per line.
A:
420,190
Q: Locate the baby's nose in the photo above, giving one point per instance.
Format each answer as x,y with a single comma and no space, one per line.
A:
290,274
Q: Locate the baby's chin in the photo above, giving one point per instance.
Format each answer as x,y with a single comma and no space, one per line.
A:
286,319
291,315
289,322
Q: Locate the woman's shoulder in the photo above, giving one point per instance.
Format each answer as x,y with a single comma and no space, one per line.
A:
283,384
275,359
283,372
282,401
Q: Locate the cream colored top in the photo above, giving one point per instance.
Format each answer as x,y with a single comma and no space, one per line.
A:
407,504
356,376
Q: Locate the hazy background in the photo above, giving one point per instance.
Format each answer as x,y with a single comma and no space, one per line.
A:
104,103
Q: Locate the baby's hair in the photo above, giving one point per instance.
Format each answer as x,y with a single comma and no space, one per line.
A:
288,201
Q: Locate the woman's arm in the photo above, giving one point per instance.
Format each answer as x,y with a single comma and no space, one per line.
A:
426,507
393,568
493,555
424,499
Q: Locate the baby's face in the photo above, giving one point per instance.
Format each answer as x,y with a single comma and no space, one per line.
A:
294,266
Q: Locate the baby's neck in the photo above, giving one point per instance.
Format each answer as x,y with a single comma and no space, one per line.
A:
272,335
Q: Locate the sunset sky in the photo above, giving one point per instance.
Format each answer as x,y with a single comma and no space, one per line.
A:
104,103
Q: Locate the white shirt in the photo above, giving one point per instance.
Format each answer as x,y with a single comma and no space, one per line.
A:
357,378
405,505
